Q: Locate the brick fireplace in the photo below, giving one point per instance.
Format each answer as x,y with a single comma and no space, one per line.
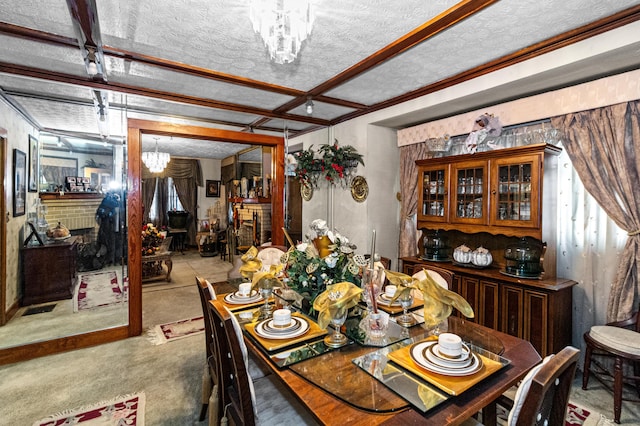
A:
77,214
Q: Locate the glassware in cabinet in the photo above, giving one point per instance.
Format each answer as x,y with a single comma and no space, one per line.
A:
434,184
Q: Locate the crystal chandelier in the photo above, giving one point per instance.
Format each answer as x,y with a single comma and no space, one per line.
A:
283,25
156,161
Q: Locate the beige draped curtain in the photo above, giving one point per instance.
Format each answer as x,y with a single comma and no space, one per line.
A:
604,147
409,193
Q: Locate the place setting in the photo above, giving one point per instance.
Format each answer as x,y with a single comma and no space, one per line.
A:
283,329
447,362
244,296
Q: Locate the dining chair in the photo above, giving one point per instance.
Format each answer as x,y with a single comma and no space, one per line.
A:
210,378
386,262
543,395
440,275
618,343
246,402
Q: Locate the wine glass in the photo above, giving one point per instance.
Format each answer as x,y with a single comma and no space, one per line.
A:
266,309
406,301
337,339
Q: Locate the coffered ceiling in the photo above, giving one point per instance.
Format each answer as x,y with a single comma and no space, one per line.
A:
199,61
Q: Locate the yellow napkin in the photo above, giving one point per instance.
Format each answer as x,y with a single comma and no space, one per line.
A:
251,263
267,279
334,299
438,301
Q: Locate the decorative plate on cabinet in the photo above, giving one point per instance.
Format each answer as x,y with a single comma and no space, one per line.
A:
306,191
359,189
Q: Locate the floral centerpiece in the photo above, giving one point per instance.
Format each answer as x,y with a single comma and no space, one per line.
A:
309,273
336,163
151,239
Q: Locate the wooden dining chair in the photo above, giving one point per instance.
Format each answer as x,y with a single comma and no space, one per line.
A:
618,343
440,275
210,375
246,402
543,395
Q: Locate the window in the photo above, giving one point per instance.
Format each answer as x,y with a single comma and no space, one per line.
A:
173,202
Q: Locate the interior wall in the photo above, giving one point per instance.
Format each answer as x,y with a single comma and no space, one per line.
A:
18,131
211,170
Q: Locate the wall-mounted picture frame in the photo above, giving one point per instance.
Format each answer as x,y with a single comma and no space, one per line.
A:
19,182
213,188
54,170
33,164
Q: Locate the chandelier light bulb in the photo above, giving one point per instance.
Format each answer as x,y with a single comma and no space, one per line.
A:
309,106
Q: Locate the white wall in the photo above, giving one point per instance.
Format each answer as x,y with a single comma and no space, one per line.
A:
18,131
210,171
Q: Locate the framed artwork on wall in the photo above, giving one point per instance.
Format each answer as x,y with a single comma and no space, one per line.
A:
33,164
19,182
213,188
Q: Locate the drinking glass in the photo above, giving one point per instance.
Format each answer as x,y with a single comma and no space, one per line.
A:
266,309
371,286
337,339
406,301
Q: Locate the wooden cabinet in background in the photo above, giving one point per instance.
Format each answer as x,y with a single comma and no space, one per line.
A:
499,192
48,272
537,310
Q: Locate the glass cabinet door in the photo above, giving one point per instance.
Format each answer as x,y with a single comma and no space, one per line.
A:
433,200
516,186
470,182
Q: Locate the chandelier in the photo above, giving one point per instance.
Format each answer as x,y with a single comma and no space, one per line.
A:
156,161
283,25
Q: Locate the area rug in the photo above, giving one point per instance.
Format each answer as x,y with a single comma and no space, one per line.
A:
163,333
97,290
122,410
576,416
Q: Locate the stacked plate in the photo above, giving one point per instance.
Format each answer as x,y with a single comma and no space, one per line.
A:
386,300
427,356
242,299
297,327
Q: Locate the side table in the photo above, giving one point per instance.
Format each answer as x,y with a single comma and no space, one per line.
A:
178,234
152,268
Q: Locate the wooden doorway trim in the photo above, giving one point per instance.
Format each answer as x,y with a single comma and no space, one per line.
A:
136,128
3,227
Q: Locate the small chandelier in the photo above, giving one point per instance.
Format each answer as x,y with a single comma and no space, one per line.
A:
156,161
283,25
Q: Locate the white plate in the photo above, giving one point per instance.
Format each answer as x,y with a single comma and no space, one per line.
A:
233,299
417,355
386,300
462,359
446,363
270,328
240,296
299,331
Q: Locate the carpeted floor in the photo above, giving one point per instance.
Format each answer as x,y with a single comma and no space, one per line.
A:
169,374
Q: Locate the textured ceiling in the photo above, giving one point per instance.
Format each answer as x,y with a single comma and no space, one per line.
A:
199,62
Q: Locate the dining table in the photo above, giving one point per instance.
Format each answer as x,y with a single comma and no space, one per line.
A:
362,383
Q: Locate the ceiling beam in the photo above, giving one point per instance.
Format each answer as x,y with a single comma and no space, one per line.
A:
446,19
568,38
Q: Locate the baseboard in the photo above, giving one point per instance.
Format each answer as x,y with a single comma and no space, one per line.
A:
11,312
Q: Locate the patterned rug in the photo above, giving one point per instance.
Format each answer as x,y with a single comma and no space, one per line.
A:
576,416
97,289
163,333
122,410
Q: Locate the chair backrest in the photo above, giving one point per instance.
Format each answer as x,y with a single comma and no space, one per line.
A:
205,296
386,262
269,255
441,276
543,395
236,384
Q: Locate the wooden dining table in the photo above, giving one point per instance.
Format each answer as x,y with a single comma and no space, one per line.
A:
337,391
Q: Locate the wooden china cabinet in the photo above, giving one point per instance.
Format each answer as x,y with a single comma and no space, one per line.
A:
493,199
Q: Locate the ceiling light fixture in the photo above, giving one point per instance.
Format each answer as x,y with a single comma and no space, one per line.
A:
283,25
91,60
156,161
309,105
101,104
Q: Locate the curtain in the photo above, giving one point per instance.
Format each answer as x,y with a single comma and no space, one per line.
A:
589,245
409,193
148,192
161,202
178,168
187,193
604,147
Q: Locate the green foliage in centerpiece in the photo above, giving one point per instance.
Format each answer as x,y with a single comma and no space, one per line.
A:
309,274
